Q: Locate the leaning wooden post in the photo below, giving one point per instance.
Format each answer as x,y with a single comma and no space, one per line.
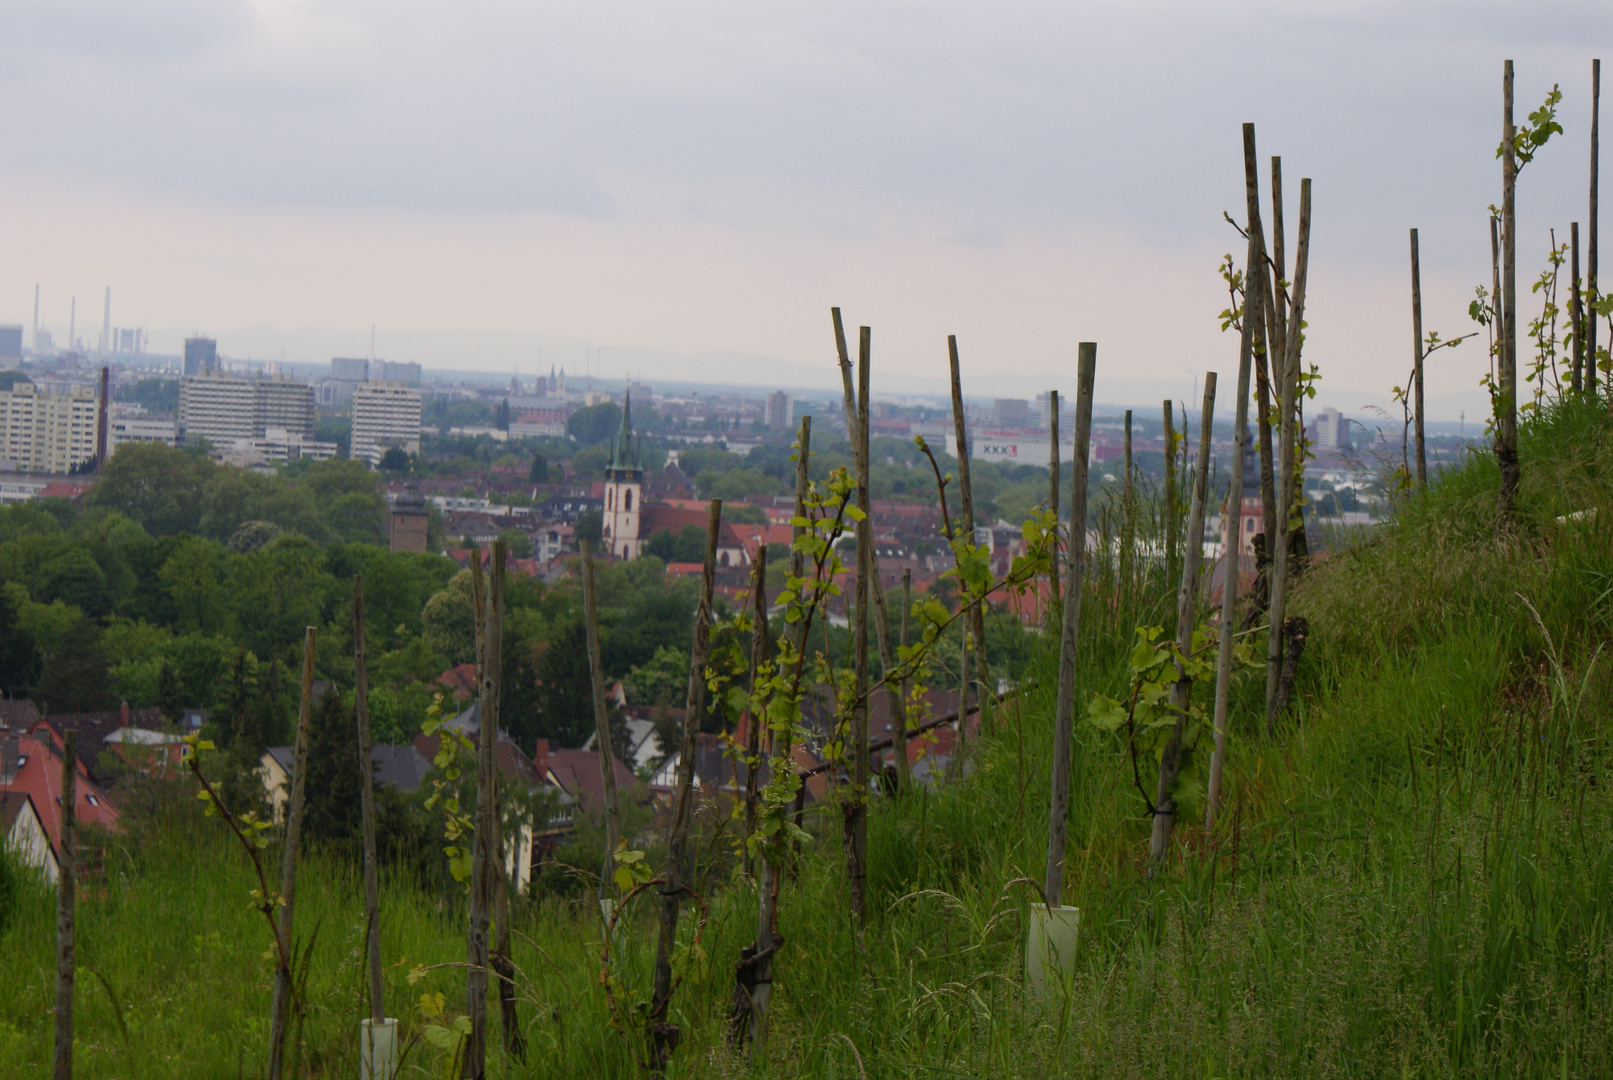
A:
1232,557
1170,489
977,618
607,769
1289,421
378,1036
779,748
1053,477
1506,428
1576,308
663,1033
761,652
1590,251
1128,519
280,1007
1417,361
66,900
855,808
497,867
477,948
1187,617
1053,928
1075,564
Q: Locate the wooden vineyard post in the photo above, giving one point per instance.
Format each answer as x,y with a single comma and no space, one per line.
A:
607,769
498,874
1074,567
855,808
663,1033
1576,308
281,1004
1053,478
977,618
1417,361
66,910
1288,419
484,844
779,747
1590,251
1506,426
1232,556
1187,612
1170,490
378,1035
761,650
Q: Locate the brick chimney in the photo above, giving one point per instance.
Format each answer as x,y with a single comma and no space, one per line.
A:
123,715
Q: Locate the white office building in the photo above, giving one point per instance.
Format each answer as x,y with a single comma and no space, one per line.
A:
1330,430
386,415
47,433
226,409
139,429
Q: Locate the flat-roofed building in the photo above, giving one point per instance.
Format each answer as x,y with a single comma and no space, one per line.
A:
47,432
386,415
201,355
139,429
227,409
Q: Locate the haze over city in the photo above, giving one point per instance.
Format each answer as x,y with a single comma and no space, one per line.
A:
691,186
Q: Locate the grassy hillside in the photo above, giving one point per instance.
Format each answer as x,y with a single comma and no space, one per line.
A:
1414,879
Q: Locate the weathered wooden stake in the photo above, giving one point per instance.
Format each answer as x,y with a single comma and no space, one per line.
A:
1187,612
1506,428
1289,421
372,883
1128,519
1576,308
663,1033
1058,816
778,748
1590,251
761,652
1053,478
484,846
596,672
280,1006
1417,361
977,618
1232,557
1170,489
66,913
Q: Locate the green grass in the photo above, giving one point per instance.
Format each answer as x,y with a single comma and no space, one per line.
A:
1416,879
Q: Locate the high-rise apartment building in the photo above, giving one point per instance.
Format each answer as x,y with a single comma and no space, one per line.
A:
349,369
201,356
1330,430
776,414
395,371
225,409
386,415
47,433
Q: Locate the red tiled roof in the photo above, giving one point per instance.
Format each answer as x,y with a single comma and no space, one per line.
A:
461,680
40,778
577,773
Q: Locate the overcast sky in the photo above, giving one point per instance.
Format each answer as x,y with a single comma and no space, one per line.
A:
704,177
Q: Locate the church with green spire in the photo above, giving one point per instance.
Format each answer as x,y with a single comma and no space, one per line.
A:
624,491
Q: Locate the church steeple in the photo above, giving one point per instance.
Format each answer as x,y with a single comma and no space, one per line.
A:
624,490
624,454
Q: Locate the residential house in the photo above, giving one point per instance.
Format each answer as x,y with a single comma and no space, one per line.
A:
31,772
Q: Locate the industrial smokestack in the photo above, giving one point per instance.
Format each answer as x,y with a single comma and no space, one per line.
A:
101,422
106,322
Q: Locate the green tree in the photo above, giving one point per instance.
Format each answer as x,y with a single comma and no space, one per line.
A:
170,697
395,460
539,473
449,620
76,677
160,488
590,526
595,425
275,593
520,694
357,518
661,680
518,543
565,695
192,577
19,653
73,577
334,780
686,546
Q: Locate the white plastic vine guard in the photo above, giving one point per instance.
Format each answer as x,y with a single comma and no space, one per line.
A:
377,1049
1050,948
